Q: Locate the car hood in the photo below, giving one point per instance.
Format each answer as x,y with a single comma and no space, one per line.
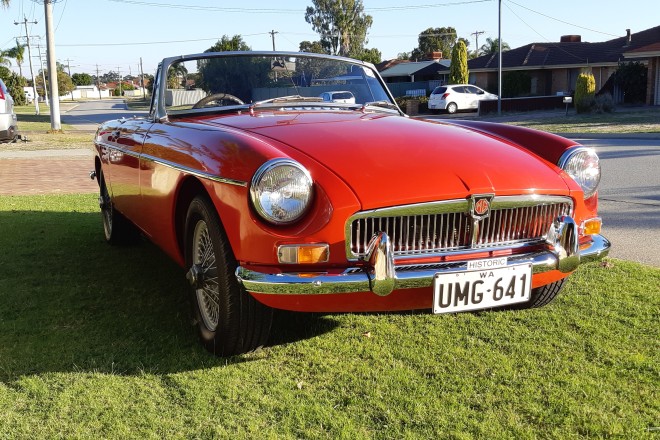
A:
391,160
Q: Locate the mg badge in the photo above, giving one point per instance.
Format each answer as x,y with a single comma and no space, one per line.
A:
480,206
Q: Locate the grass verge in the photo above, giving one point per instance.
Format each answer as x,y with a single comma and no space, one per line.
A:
37,130
96,342
621,121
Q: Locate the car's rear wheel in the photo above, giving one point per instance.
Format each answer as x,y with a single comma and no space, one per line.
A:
116,228
229,320
452,108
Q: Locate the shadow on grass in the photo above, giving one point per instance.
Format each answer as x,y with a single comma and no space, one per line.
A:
69,302
25,117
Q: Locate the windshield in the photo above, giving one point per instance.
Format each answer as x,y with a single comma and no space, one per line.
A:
226,81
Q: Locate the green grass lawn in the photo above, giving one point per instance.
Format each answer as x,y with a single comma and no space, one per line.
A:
97,342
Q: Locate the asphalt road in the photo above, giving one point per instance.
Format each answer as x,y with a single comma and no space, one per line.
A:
87,115
629,196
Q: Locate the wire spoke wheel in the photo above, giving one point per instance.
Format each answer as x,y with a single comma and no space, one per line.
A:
229,320
106,210
208,294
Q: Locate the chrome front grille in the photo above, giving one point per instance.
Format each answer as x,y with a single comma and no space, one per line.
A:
444,227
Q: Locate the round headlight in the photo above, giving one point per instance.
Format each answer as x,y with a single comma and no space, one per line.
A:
281,191
583,166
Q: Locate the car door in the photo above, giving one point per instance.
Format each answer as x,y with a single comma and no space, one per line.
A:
459,97
124,149
472,96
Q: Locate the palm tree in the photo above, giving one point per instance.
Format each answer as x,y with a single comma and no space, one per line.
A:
17,53
4,58
492,46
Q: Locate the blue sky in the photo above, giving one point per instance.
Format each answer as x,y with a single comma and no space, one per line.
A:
114,34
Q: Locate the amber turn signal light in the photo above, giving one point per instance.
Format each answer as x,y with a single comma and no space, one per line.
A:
303,253
592,226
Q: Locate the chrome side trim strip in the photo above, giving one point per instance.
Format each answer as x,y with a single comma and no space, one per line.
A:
196,173
172,165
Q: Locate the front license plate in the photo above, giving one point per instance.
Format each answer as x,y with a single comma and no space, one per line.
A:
481,289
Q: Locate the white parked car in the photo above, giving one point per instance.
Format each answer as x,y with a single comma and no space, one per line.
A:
340,97
8,122
457,97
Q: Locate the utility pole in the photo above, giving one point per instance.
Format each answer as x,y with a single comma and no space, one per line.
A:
43,76
119,74
272,36
144,92
34,83
68,67
55,124
98,81
476,41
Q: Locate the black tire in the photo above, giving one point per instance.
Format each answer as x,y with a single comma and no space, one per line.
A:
229,320
452,108
544,294
116,228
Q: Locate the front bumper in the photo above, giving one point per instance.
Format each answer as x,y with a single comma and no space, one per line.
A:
382,276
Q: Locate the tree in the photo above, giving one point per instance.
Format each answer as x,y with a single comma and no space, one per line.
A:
234,75
18,53
342,25
458,71
403,56
632,78
432,40
492,47
177,76
82,79
4,59
312,47
64,82
226,44
15,84
373,56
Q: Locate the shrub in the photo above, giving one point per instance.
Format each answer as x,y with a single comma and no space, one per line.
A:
515,84
632,78
585,90
603,103
15,84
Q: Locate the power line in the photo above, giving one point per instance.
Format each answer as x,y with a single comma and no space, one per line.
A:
289,11
561,21
134,43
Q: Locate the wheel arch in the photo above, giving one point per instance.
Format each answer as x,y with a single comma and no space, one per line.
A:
189,188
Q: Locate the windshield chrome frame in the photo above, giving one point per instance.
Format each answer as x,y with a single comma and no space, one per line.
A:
159,114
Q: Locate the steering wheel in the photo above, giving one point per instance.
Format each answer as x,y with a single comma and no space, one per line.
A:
216,97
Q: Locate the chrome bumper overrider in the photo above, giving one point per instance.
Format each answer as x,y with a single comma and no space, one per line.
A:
382,276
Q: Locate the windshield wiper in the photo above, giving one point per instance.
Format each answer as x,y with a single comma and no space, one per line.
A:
291,98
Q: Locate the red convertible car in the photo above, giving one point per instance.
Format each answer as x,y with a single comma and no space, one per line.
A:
271,198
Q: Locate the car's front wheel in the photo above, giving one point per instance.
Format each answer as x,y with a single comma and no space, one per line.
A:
452,108
229,320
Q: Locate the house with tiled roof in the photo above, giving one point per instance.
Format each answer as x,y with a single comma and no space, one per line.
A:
554,67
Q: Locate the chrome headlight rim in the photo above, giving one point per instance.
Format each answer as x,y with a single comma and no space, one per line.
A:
262,171
565,163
